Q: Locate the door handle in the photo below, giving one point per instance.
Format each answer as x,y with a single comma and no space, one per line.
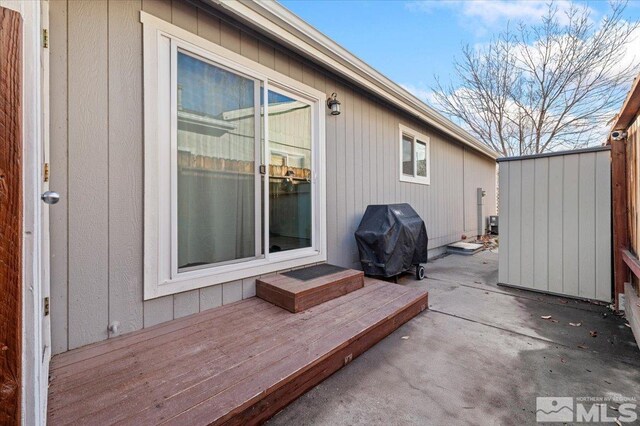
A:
50,197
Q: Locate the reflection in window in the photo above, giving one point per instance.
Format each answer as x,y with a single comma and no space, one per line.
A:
216,164
407,155
421,159
289,173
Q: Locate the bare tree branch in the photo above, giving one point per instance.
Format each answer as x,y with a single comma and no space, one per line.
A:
543,87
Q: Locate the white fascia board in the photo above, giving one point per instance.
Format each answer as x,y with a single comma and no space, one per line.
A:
285,27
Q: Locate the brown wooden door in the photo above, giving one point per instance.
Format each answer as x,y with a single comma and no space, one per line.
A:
10,215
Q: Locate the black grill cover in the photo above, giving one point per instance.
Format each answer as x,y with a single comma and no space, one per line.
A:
391,238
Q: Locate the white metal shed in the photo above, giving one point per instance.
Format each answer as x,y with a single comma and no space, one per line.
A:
555,223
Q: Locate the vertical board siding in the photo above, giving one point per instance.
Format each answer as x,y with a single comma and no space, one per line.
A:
587,225
504,229
88,108
541,224
125,175
100,100
514,198
603,226
570,236
555,216
527,223
556,177
58,216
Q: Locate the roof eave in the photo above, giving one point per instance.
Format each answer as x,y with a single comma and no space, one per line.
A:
294,33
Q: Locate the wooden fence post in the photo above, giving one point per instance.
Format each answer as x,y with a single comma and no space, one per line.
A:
10,216
619,213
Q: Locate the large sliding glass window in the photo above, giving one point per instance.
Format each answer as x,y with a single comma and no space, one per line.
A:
290,215
234,184
216,179
218,137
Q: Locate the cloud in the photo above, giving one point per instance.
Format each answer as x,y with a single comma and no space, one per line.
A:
482,16
631,54
421,92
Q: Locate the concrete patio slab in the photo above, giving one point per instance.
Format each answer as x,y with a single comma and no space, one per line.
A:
480,355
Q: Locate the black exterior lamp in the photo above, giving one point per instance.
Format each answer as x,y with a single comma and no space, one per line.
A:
334,104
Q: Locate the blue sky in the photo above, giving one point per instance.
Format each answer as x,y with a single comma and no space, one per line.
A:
411,41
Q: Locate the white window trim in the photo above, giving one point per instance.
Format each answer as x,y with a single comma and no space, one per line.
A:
160,40
406,131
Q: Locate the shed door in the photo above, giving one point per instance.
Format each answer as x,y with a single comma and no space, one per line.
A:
555,224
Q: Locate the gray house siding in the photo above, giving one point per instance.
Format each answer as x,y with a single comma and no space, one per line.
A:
97,166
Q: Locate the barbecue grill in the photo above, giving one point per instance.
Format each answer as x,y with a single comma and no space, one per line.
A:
392,238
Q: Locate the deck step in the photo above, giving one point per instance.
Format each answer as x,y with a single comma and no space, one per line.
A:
304,288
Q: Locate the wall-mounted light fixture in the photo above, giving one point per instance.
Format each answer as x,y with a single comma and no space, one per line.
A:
334,104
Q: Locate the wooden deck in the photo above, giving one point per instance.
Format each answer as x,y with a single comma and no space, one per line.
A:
296,295
237,364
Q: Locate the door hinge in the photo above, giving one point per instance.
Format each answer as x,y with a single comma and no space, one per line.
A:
46,172
46,306
45,38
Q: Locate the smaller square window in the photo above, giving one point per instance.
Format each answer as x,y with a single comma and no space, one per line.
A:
414,156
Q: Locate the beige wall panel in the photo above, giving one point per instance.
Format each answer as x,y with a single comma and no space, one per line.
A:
186,303
504,228
159,8
541,225
267,55
185,15
570,235
249,287
210,297
59,182
231,292
556,191
528,225
229,37
603,226
587,226
125,175
88,172
208,27
515,222
249,47
158,310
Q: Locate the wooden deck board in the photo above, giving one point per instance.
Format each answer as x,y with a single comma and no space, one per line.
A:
238,365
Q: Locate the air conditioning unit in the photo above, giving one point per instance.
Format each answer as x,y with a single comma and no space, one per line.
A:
493,225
